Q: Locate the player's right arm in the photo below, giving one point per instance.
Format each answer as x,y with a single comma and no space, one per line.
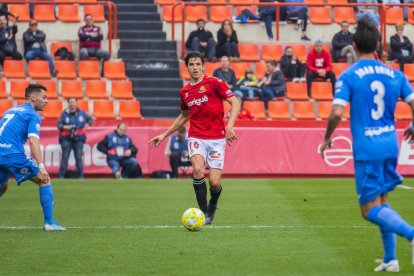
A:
181,120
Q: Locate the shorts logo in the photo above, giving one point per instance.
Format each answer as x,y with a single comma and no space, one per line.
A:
340,153
24,170
202,89
215,155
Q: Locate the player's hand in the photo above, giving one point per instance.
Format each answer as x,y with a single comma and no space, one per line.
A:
156,141
409,135
45,176
230,135
323,146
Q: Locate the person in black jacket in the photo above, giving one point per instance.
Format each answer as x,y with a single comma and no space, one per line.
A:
342,45
292,67
273,83
226,74
8,46
35,47
401,47
227,42
201,40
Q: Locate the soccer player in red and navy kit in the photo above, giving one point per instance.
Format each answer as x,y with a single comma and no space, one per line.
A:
202,104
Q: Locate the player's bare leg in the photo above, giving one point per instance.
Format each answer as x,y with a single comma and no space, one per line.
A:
3,188
215,191
199,183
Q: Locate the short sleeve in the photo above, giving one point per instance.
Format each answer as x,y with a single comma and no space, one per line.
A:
342,91
222,89
407,93
34,127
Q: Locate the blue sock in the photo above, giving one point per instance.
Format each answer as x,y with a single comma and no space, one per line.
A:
46,200
389,220
389,242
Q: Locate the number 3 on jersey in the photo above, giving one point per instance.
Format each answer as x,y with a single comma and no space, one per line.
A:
377,86
8,117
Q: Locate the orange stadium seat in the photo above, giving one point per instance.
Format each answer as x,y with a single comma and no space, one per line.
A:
320,15
167,13
256,108
260,69
51,87
89,69
300,51
271,51
338,68
240,68
84,105
249,52
243,1
183,71
14,69
68,13
71,89
210,67
18,88
345,2
5,105
130,109
279,110
64,1
39,69
20,10
217,1
193,13
96,89
344,13
297,91
403,111
56,45
53,109
114,70
394,16
226,108
3,94
411,15
324,109
303,110
86,1
395,66
220,13
122,90
103,109
409,71
97,11
44,13
314,1
322,90
165,2
66,69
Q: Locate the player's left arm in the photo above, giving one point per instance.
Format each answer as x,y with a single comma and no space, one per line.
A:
34,144
409,132
235,109
407,95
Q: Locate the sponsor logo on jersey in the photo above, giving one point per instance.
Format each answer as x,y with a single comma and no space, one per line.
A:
202,89
198,101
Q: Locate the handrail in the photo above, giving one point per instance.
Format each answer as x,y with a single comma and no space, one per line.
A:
381,10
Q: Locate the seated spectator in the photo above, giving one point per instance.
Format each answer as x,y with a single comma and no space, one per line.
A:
292,67
299,14
177,151
35,47
401,47
90,37
248,85
319,65
227,43
383,57
8,46
267,14
120,153
342,45
225,73
201,40
273,83
368,12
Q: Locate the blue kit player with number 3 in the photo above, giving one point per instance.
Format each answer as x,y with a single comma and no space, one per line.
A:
373,89
17,126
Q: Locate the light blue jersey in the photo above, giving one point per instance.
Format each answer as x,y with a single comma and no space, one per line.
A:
373,89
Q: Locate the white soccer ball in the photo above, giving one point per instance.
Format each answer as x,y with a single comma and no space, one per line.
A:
193,219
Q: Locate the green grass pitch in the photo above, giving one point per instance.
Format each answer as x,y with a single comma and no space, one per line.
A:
262,227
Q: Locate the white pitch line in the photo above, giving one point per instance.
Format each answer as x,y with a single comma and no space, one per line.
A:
405,187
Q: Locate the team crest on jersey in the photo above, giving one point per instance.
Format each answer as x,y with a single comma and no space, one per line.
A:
202,89
186,94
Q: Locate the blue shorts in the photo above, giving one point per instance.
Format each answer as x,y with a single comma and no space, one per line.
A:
375,178
22,169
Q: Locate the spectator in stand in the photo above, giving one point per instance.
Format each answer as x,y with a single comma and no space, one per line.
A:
120,153
267,14
177,151
244,113
225,73
292,67
273,83
227,43
319,65
35,47
342,44
90,37
8,46
72,124
298,14
368,12
401,47
406,8
248,85
201,40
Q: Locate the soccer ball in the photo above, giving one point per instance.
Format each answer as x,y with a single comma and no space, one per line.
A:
193,219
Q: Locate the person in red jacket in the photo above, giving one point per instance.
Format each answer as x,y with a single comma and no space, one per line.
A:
319,65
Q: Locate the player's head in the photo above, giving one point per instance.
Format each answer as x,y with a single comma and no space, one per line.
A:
194,62
121,129
270,65
181,132
318,46
366,37
72,104
225,63
35,94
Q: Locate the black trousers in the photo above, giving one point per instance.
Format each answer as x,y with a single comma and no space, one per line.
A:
175,163
313,75
296,70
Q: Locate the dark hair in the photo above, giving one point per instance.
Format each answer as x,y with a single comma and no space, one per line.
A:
72,98
119,125
366,37
272,62
88,14
181,130
194,55
226,20
200,20
33,88
343,22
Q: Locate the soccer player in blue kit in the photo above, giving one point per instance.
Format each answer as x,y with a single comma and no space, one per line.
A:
373,89
19,125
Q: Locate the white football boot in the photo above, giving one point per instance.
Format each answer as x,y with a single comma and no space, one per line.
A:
391,266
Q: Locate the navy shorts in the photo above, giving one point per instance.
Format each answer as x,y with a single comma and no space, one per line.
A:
22,169
375,178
